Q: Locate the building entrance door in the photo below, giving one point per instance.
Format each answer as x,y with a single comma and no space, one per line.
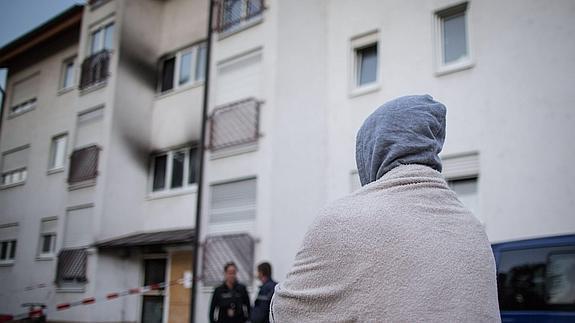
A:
153,301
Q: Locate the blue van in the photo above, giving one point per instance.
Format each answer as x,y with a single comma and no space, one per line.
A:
536,279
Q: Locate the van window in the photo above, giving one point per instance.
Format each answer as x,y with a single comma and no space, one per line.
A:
537,279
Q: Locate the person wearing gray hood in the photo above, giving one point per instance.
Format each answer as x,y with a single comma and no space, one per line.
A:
402,248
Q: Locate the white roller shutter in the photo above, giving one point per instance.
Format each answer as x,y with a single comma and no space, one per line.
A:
78,232
16,158
233,201
25,90
239,78
461,166
9,232
49,226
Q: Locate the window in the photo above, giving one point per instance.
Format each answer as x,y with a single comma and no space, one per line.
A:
221,249
71,269
58,152
452,41
23,107
83,164
47,242
236,13
466,190
14,166
102,38
233,201
235,124
24,95
365,63
366,60
67,74
537,279
174,169
8,243
183,68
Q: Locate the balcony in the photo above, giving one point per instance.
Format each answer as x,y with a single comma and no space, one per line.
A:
235,124
83,165
233,15
95,69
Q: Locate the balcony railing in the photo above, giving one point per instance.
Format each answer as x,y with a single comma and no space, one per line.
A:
95,69
235,124
83,164
234,13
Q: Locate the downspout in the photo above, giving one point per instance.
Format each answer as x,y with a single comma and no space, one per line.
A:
2,108
196,243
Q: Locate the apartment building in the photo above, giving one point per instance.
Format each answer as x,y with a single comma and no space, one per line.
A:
303,75
103,140
99,160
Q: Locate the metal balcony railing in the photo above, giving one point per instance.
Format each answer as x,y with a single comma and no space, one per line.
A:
235,124
83,164
95,69
233,13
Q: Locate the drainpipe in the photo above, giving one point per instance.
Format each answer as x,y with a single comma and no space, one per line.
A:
2,107
196,242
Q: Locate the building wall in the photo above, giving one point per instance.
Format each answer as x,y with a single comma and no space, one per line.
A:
35,128
498,108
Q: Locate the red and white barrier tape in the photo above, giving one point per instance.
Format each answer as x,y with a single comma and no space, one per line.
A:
93,300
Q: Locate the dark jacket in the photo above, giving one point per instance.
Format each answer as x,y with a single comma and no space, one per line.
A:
261,311
230,305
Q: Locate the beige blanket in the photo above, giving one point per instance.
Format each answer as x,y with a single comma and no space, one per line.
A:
400,249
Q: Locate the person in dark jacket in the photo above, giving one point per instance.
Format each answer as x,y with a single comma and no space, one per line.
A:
230,301
261,311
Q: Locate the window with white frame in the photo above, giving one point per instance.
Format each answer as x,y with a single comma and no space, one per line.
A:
174,169
58,152
47,242
462,173
14,166
365,61
466,190
8,243
183,68
452,40
102,38
67,74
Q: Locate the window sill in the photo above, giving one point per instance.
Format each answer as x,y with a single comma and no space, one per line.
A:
454,67
192,189
234,150
98,4
45,258
366,89
55,171
80,185
6,263
180,89
94,87
65,90
7,186
17,114
241,27
70,289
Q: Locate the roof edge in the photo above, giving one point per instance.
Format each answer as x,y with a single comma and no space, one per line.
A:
67,19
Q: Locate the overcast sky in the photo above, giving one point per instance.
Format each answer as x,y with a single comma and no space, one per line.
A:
18,17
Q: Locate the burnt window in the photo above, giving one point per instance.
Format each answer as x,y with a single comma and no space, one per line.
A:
174,169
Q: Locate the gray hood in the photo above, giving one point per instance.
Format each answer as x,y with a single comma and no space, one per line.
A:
407,130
